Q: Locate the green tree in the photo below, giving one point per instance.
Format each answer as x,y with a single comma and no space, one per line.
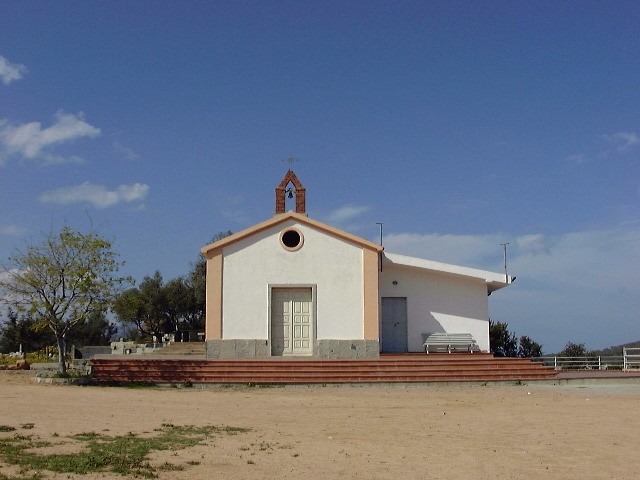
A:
184,309
155,307
176,302
62,281
18,331
156,304
96,330
130,310
197,280
574,350
144,308
527,348
503,343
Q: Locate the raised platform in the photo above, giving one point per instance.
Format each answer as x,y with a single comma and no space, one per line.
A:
408,368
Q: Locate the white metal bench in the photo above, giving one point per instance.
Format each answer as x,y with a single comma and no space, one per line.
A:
450,341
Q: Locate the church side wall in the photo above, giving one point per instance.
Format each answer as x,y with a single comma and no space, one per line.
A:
438,303
332,266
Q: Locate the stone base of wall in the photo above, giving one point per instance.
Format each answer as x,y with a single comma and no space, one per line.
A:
249,348
256,348
347,349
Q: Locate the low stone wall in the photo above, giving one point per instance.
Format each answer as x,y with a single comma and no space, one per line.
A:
257,348
91,351
62,381
133,348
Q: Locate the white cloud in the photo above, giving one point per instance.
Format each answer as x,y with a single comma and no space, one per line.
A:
577,158
468,250
346,213
96,195
534,243
623,140
10,71
11,230
128,152
31,141
582,287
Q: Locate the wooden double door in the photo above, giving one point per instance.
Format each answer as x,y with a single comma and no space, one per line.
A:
291,321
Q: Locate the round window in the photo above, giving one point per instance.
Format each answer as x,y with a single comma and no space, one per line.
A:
291,239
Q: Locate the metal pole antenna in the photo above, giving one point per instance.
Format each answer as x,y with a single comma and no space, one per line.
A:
379,223
380,259
506,277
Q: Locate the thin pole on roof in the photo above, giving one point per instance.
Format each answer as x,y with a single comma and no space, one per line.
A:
380,223
506,276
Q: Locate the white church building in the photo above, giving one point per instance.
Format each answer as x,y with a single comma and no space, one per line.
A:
294,286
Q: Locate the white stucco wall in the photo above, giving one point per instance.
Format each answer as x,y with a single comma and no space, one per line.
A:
438,302
332,265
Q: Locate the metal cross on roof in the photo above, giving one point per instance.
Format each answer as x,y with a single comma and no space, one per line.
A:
290,160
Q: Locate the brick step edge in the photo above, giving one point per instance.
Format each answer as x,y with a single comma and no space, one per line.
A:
330,380
306,371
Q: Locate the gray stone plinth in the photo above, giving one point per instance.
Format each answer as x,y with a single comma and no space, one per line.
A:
213,348
260,348
263,349
372,349
245,349
347,349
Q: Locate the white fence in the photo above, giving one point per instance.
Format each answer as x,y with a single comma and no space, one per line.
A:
583,363
630,359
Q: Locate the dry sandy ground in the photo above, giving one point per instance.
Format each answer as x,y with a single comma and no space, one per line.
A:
480,432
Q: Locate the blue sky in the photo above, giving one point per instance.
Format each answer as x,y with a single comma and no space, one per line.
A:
459,125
